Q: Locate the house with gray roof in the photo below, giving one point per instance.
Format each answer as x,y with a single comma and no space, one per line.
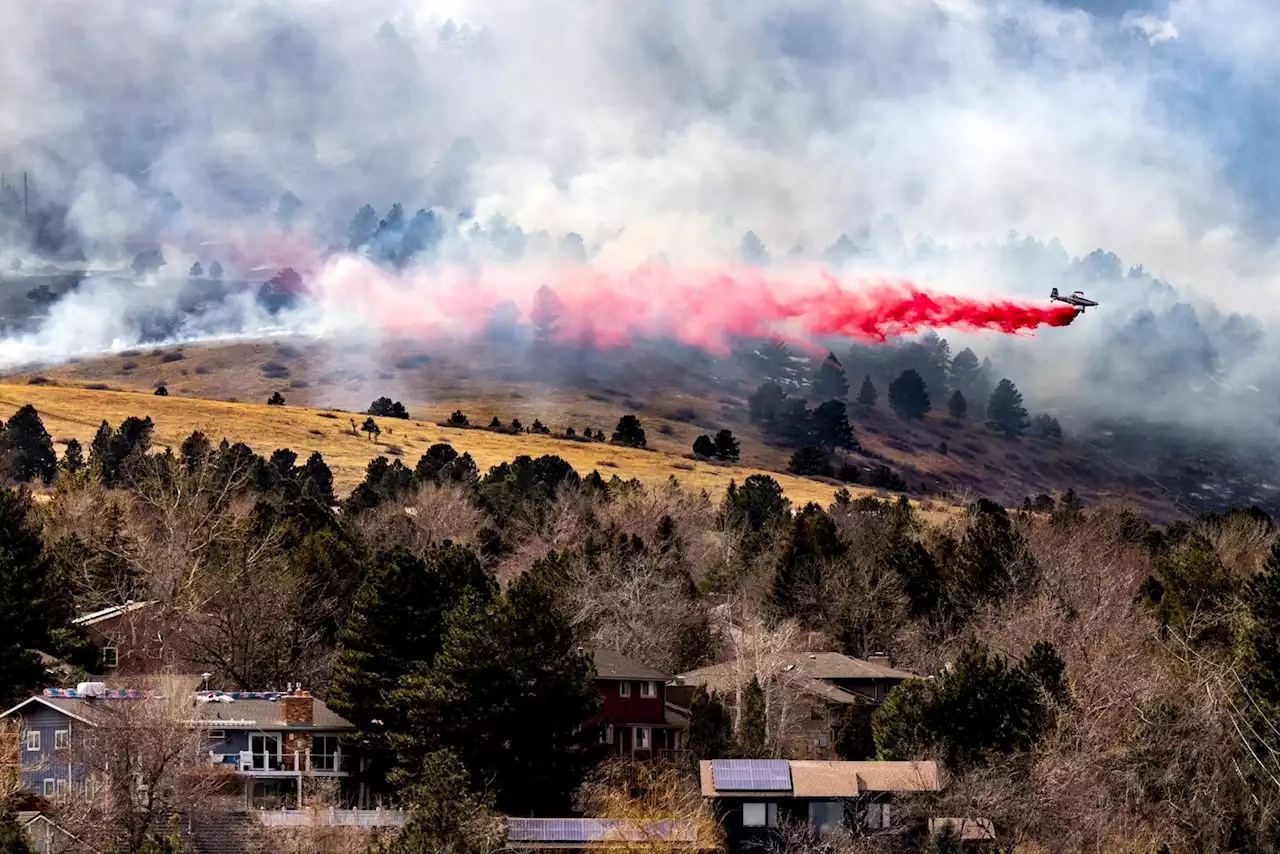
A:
270,742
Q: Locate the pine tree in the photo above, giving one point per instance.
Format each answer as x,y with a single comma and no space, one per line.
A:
810,461
629,432
34,600
215,270
829,382
395,630
371,427
704,447
766,404
72,457
710,726
317,481
27,448
1260,648
957,406
867,394
547,309
1005,412
276,399
831,426
966,374
908,396
945,840
509,665
727,448
196,270
798,576
362,228
752,740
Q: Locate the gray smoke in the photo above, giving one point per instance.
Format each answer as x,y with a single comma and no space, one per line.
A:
919,137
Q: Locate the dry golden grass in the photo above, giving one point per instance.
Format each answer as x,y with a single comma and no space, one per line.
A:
76,413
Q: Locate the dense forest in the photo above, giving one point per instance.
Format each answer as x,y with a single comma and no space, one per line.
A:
1098,682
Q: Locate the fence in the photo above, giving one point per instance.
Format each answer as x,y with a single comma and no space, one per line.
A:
332,818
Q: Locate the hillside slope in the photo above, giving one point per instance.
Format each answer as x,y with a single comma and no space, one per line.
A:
76,413
677,399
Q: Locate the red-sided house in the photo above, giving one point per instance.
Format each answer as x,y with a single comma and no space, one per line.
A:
635,720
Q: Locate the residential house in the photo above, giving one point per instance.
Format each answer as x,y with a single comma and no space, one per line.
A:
49,837
753,797
270,742
133,639
636,719
810,693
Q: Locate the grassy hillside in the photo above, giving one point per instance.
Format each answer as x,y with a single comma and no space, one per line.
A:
77,412
677,401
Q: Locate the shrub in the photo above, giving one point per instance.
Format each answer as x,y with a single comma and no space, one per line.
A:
629,432
37,380
276,399
175,356
128,366
161,391
299,384
458,419
201,370
274,370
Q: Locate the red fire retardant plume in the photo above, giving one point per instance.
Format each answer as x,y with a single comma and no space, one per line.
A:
703,308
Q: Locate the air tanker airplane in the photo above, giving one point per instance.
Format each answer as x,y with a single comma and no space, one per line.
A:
1076,299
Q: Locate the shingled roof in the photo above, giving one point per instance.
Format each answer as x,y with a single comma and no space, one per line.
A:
615,665
824,666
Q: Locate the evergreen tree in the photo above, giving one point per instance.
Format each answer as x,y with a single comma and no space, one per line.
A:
1005,412
766,404
1260,655
196,270
317,481
161,391
629,432
1044,664
13,836
458,419
810,461
446,815
752,740
215,270
727,448
980,708
908,396
829,382
704,447
993,559
759,502
957,406
195,451
27,448
371,427
798,577
967,376
72,457
1046,427
867,394
113,574
710,726
509,665
34,600
276,399
362,228
945,840
395,631
831,426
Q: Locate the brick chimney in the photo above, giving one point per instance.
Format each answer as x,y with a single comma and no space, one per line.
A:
297,707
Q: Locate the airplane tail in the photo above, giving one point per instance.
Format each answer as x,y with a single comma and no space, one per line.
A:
1053,294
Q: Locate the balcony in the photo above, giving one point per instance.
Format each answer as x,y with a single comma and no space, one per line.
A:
254,764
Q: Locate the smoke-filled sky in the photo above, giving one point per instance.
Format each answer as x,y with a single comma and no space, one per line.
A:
665,127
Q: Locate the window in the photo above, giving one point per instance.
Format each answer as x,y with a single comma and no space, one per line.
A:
109,656
60,787
61,739
877,815
624,689
47,788
608,734
642,738
33,740
217,735
648,689
324,753
825,816
759,815
265,750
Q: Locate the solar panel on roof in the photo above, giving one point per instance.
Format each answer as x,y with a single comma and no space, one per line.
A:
751,775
